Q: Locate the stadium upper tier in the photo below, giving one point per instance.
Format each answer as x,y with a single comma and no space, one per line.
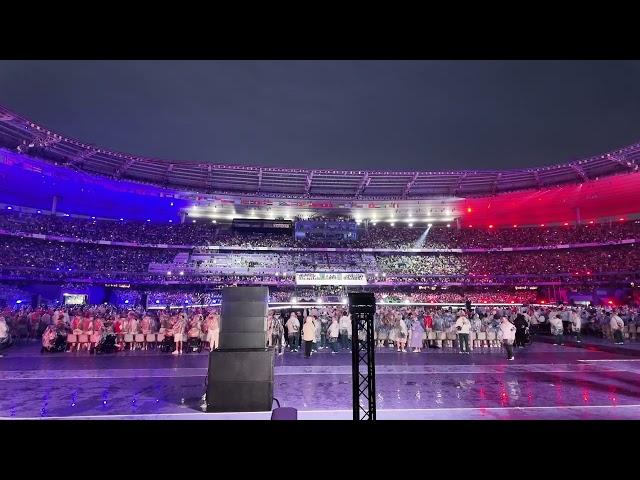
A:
21,135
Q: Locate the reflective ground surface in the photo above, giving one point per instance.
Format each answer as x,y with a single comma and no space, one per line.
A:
594,380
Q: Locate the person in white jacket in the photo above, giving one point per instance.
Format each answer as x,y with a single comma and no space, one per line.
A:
617,326
345,330
507,331
463,328
557,328
333,332
308,334
293,328
576,324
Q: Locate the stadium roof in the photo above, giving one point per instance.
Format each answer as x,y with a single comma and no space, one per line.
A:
23,135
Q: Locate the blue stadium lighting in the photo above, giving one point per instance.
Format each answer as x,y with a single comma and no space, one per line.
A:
18,301
148,219
170,221
126,301
39,211
171,204
122,219
58,268
93,218
157,301
9,208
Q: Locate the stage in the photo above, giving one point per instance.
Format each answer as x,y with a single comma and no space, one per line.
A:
594,380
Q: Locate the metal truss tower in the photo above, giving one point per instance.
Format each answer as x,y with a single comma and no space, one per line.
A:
362,307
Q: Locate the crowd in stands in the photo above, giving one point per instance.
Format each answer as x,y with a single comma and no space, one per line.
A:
203,232
74,257
183,299
109,230
583,261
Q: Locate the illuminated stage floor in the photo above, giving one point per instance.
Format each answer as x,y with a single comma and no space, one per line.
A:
544,382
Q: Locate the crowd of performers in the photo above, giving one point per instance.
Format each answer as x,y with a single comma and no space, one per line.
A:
107,328
418,328
113,330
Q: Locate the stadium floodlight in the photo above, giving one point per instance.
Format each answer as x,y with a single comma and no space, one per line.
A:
169,272
171,204
148,219
18,301
39,211
374,223
344,301
193,221
170,221
448,225
181,272
319,300
429,224
213,221
126,301
122,219
392,224
411,225
9,208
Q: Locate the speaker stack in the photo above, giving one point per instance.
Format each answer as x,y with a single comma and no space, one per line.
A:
240,377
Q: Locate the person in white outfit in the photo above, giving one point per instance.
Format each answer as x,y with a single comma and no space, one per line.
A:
576,324
617,326
463,328
507,331
556,327
345,330
293,327
333,332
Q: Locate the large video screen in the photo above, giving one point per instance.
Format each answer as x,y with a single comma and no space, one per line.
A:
75,299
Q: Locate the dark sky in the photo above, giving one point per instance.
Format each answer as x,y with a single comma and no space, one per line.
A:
336,114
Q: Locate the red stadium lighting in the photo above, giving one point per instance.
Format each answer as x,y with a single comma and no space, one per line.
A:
566,223
542,224
470,226
610,302
490,226
591,222
588,273
621,219
468,209
514,225
542,301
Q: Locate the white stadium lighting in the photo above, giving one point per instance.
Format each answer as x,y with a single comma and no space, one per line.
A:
169,272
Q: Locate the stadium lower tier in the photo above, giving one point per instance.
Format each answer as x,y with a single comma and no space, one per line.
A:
25,294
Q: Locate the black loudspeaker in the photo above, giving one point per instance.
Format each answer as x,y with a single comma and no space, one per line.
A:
240,380
243,321
240,375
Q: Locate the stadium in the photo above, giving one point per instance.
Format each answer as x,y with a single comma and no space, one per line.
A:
99,240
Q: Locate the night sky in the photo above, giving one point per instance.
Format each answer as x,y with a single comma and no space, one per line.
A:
413,115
